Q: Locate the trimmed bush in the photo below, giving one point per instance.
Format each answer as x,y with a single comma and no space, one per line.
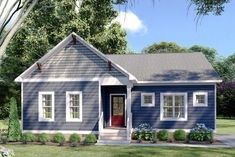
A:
43,138
201,133
27,137
153,137
162,135
14,132
179,135
74,139
90,139
59,138
143,132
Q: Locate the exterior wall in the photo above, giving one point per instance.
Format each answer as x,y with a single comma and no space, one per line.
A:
151,115
105,94
90,106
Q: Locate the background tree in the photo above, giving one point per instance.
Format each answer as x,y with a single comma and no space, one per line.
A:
52,20
14,131
164,47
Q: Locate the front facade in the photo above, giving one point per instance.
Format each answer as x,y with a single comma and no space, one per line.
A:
75,88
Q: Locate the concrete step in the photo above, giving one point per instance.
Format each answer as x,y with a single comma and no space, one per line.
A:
112,142
113,134
117,131
113,137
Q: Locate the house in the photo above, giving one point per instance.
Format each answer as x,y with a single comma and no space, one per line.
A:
75,88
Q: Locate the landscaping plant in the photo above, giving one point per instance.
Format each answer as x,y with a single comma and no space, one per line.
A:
162,135
14,132
27,137
90,139
59,138
179,135
43,138
5,152
153,137
74,139
201,133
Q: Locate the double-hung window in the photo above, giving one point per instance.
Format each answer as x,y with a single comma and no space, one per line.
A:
173,106
74,106
46,106
147,99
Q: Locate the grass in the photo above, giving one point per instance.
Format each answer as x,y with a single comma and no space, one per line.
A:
225,126
116,151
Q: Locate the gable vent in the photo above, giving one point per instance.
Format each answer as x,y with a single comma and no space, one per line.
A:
74,39
39,65
109,65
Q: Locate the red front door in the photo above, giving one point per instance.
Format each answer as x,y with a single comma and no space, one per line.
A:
118,110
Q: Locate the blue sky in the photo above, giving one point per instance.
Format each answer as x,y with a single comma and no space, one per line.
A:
168,20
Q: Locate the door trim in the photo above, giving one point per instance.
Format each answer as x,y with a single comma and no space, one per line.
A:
110,107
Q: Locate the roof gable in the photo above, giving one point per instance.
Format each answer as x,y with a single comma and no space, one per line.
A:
71,59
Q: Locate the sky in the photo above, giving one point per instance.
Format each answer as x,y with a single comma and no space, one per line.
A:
171,20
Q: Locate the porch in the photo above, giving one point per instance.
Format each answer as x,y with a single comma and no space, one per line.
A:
115,120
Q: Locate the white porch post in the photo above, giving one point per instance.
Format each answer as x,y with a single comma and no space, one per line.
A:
129,114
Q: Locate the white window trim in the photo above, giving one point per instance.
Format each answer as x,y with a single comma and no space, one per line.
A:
195,104
68,119
40,111
185,107
149,104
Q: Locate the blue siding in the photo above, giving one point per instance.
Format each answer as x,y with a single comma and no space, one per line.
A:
105,93
90,106
151,115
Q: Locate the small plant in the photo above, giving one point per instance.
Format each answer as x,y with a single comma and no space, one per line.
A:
201,133
179,135
90,139
14,131
162,135
43,138
5,152
3,136
74,139
153,137
143,132
27,137
59,138
4,139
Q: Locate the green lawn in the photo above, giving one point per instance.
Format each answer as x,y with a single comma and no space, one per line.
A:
225,126
116,151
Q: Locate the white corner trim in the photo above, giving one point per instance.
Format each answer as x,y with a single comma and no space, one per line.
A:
22,105
61,131
174,94
68,118
215,104
40,111
152,94
205,94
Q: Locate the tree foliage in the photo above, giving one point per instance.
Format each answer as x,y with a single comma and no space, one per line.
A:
14,132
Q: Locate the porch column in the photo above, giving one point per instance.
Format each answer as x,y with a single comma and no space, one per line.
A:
129,114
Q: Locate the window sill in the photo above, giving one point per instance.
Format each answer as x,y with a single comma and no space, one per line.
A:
173,119
200,105
73,120
45,120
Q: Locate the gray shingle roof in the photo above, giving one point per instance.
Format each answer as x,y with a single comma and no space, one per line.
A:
167,66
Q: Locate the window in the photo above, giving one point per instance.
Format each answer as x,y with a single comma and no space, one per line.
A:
200,99
147,99
74,106
173,106
46,106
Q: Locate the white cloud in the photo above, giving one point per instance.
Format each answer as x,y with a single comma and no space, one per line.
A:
131,22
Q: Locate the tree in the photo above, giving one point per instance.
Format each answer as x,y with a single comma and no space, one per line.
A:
210,53
14,132
164,47
47,26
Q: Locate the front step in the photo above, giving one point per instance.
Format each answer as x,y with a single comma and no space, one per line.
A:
113,136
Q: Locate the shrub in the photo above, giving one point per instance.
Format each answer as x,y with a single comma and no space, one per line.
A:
91,138
43,138
27,137
153,137
162,135
74,139
143,132
179,135
5,152
201,133
14,131
59,138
